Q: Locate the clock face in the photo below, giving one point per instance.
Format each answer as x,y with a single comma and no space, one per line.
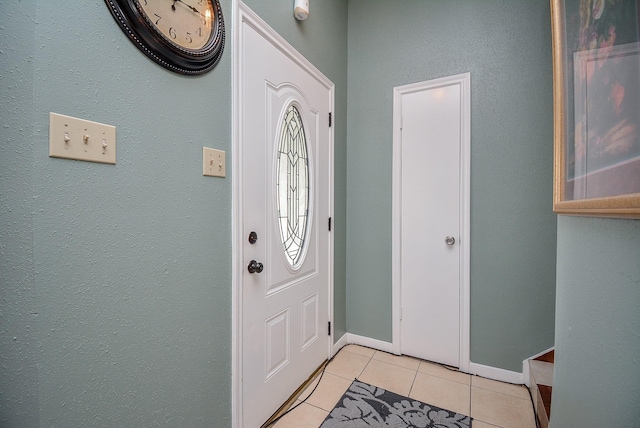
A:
184,36
184,23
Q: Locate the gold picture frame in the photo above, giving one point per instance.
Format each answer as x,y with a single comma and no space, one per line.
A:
596,102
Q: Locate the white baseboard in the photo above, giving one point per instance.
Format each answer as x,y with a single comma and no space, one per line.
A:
369,342
339,344
495,373
526,375
489,372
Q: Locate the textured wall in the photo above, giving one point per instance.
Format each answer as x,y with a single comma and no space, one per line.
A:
18,313
116,280
327,50
506,46
130,264
596,379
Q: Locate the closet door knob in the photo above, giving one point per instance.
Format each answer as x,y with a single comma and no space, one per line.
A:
449,240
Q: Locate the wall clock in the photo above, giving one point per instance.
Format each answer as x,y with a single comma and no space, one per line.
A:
184,36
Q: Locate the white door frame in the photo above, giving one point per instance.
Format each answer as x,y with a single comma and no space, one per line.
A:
241,14
465,180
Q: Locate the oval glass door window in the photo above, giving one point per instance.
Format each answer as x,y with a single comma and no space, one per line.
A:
292,175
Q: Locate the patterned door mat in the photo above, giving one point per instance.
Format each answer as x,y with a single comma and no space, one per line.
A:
365,405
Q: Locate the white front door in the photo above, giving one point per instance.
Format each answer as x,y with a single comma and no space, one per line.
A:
284,154
431,140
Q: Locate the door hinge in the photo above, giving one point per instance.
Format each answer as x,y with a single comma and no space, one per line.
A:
329,328
329,224
330,119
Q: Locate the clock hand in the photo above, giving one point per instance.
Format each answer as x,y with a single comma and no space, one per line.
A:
173,6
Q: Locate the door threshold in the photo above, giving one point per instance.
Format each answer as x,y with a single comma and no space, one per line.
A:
292,399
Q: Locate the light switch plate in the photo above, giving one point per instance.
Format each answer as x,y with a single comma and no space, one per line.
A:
213,162
79,139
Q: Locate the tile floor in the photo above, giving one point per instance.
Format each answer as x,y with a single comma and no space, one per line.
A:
490,403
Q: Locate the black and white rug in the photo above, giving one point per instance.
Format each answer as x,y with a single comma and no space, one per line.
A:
365,405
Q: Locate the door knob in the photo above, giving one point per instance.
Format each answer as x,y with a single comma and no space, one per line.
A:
255,267
449,240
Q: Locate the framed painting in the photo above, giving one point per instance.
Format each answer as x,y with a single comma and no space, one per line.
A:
596,98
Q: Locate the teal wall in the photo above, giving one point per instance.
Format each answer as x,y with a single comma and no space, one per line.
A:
116,280
327,50
119,276
596,378
506,46
18,310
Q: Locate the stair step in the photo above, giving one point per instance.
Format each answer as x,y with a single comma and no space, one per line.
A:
541,381
548,357
542,372
545,394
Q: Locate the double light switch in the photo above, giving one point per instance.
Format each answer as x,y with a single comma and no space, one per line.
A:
213,162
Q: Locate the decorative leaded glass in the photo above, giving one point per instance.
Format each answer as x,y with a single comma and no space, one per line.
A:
292,187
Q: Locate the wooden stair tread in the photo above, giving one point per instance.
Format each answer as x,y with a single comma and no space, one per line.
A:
548,357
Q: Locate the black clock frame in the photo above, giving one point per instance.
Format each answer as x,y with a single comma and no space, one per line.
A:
173,57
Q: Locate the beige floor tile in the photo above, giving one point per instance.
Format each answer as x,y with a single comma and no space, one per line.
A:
304,416
328,393
502,410
519,391
480,424
388,376
492,404
309,388
397,360
360,350
441,392
443,372
347,365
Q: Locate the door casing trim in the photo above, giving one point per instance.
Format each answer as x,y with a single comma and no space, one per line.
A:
241,13
464,80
